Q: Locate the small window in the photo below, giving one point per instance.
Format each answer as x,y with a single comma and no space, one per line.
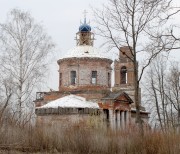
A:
109,79
123,74
94,77
73,77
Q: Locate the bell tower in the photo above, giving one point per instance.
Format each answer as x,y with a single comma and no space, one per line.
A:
84,36
124,70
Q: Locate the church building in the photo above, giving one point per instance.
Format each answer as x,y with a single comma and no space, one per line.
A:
85,77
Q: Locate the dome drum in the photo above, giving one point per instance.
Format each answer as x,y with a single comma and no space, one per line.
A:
84,74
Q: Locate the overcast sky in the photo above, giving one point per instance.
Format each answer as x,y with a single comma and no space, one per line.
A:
61,19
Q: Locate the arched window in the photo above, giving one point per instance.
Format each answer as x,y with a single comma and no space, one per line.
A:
94,77
60,79
109,79
123,74
73,77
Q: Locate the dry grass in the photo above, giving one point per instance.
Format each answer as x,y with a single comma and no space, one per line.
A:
79,139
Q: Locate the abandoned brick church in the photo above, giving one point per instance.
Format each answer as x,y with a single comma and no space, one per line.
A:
85,86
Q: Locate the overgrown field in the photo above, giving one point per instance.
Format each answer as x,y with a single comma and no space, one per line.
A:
82,139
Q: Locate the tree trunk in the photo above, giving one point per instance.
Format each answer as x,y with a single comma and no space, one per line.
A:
157,104
136,97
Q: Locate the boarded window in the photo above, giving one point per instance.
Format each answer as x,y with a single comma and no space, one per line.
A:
73,77
94,77
123,75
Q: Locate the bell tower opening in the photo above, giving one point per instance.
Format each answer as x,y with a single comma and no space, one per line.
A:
123,75
124,68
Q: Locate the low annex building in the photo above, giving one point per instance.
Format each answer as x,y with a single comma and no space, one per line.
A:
85,86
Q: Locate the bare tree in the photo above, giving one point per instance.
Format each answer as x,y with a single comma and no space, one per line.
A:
25,48
156,86
173,91
6,95
163,88
140,25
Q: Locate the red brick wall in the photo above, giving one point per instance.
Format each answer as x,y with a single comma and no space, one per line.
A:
89,95
84,68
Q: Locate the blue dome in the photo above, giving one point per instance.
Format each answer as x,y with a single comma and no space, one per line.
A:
85,28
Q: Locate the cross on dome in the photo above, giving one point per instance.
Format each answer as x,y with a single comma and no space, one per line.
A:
84,27
85,12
